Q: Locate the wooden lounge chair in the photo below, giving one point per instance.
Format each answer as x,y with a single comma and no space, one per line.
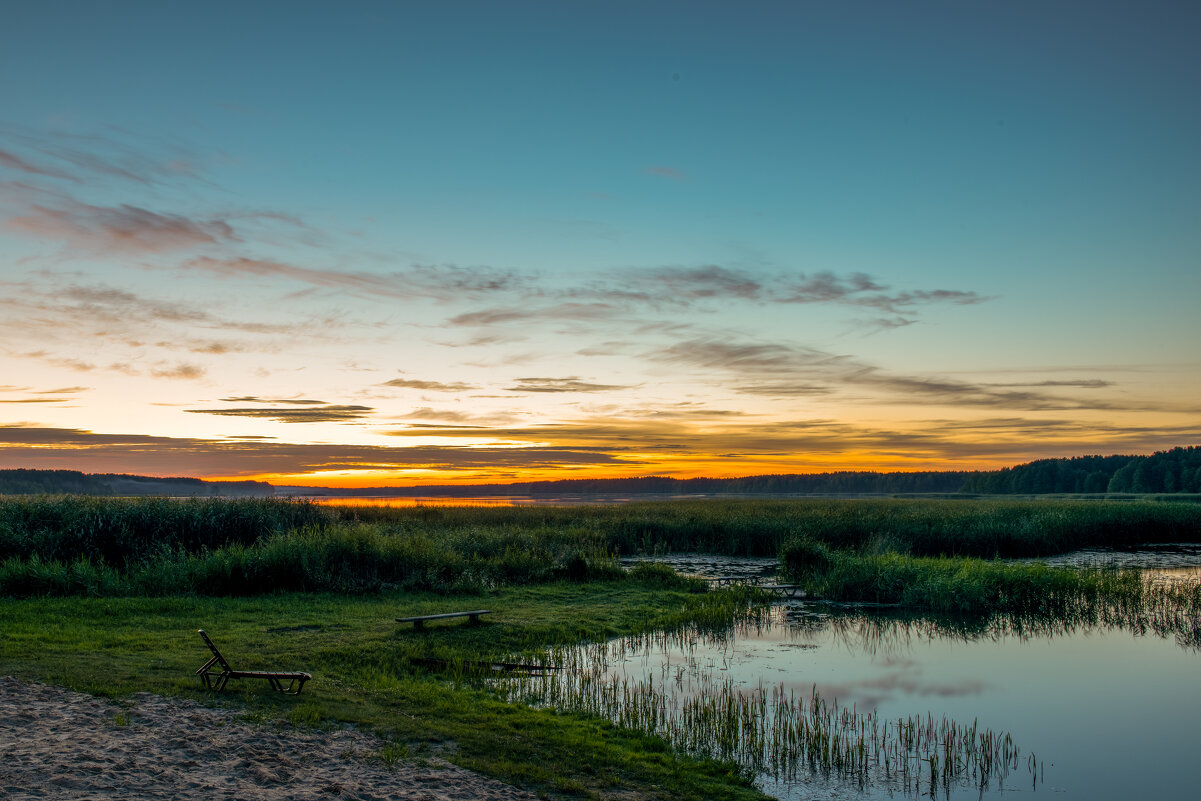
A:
216,681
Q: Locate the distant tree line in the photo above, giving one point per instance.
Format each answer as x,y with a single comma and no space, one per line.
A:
838,483
1174,471
73,482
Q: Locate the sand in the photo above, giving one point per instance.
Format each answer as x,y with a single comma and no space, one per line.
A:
58,744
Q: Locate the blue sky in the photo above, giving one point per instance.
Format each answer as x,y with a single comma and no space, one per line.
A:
433,242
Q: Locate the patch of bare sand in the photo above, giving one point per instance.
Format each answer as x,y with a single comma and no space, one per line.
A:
58,744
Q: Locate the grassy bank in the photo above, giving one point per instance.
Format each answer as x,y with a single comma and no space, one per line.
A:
364,671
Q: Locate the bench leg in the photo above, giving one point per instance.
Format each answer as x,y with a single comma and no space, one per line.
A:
418,625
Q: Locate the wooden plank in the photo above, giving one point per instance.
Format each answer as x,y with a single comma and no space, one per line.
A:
418,621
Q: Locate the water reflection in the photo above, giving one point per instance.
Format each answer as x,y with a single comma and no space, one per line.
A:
1180,559
1064,703
409,503
1169,611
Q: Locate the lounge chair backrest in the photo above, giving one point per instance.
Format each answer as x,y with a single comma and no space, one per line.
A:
217,654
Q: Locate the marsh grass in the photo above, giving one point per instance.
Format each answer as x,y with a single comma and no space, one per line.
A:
982,587
124,531
64,545
336,557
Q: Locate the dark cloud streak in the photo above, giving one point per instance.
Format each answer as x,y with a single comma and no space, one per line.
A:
316,414
569,384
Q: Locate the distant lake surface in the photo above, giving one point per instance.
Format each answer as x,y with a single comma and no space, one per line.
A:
400,502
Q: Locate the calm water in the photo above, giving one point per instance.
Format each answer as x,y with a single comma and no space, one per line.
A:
1108,713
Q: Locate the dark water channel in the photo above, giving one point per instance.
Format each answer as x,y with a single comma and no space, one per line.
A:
1105,711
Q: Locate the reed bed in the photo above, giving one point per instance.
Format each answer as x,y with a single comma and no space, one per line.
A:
74,545
770,731
761,527
348,558
123,531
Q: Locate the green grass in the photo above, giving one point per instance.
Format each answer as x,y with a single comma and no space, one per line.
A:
362,671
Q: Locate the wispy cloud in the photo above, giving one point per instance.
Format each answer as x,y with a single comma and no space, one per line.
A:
569,384
441,283
97,156
428,386
919,389
106,303
63,391
57,448
14,162
255,399
559,312
659,286
627,294
748,357
1083,383
123,229
211,348
784,369
182,370
670,173
57,316
460,419
783,389
310,414
860,289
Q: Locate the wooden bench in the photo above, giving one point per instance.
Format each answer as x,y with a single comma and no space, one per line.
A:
418,621
213,680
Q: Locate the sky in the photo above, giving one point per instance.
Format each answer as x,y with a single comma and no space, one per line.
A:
406,243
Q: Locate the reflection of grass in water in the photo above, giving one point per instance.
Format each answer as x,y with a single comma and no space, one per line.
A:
1166,610
769,731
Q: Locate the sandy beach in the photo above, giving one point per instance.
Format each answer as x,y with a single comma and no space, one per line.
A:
58,744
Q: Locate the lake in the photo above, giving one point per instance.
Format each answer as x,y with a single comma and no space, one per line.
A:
1102,711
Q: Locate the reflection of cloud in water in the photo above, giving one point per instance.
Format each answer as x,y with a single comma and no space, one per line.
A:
871,693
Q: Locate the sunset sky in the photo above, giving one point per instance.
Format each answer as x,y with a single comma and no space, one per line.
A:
436,242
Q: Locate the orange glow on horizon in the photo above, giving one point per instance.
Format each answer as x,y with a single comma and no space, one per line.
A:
714,468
